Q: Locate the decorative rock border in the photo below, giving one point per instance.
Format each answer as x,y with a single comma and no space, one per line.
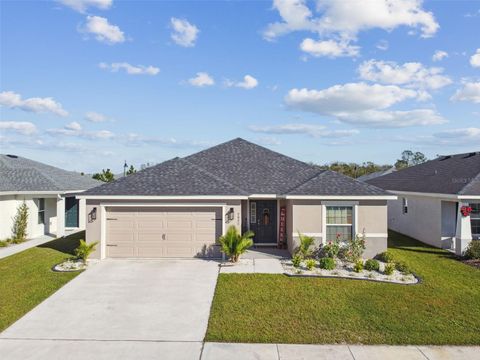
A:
70,265
345,270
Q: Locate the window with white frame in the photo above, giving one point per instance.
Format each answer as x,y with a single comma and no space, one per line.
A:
475,220
253,212
405,205
339,223
41,211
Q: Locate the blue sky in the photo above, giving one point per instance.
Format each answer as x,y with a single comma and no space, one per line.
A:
87,84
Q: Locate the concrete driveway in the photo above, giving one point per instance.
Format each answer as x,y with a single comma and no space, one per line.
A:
117,303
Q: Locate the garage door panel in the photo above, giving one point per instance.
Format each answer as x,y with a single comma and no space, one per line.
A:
163,232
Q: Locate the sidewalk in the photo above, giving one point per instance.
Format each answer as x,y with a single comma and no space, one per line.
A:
16,248
217,351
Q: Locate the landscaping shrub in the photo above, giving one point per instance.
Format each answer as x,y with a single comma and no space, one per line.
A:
402,267
84,250
386,257
310,263
235,244
389,268
372,265
330,250
296,260
355,248
3,243
358,266
473,250
20,222
327,263
304,249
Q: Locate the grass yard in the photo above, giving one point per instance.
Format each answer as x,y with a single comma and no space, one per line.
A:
443,309
26,278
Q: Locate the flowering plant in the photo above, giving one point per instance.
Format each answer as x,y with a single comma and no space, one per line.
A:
466,210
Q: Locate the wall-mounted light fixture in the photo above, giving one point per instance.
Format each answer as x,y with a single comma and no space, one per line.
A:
230,215
92,215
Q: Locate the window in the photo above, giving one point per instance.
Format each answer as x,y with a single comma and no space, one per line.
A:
475,219
253,212
405,205
339,222
41,211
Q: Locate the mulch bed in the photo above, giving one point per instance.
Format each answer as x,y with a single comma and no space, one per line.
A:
474,263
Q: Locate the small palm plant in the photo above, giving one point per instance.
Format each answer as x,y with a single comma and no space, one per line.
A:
235,244
304,249
84,250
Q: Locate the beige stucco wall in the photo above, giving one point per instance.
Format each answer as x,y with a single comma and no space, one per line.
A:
422,222
94,227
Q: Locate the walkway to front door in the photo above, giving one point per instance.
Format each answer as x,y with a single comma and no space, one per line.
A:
263,221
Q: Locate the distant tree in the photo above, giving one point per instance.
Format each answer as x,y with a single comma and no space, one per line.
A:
410,158
131,170
355,170
105,176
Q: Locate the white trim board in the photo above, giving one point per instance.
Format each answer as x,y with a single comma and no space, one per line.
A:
142,198
339,198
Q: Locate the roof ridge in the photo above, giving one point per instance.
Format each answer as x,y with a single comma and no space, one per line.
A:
213,175
305,182
469,184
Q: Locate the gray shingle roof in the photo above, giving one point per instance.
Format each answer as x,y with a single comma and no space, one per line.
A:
237,167
449,174
21,174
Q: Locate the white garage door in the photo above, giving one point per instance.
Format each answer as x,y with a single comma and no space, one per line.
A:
153,232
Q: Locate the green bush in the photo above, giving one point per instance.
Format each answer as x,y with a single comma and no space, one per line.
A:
372,265
473,250
327,263
20,222
84,250
386,257
310,263
235,244
304,249
355,248
4,243
297,260
358,266
402,267
331,249
389,268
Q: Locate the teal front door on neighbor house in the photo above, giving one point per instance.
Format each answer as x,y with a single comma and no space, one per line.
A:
71,212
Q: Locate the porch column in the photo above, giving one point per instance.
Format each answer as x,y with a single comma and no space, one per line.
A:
60,216
82,212
463,234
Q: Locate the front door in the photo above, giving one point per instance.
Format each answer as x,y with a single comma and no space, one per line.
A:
263,221
71,212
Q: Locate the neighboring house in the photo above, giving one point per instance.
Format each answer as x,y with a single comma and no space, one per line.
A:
180,207
376,174
431,197
45,189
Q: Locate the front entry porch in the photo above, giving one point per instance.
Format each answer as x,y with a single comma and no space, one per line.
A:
262,220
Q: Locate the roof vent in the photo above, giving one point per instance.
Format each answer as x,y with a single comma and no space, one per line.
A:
12,156
469,155
445,157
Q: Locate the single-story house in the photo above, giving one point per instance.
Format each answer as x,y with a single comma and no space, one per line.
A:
46,190
438,201
180,207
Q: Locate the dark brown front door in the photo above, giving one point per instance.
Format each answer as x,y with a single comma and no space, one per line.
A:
263,221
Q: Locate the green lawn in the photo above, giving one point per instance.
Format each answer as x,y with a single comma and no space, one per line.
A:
26,278
443,309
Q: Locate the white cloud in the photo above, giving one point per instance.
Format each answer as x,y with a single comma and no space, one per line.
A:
268,141
75,129
95,117
463,134
130,69
317,131
184,33
13,100
348,17
382,45
202,79
469,92
103,30
133,139
412,74
82,5
249,82
21,127
329,48
439,55
363,104
475,59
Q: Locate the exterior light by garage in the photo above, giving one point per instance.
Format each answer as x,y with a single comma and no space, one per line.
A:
92,216
230,215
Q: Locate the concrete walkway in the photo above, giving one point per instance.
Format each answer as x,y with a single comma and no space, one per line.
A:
253,266
16,248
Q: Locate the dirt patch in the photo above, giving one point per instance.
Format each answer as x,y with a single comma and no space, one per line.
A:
474,263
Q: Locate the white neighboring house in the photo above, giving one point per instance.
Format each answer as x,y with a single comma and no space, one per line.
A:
432,198
48,193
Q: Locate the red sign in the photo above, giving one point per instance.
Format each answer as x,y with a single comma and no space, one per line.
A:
282,229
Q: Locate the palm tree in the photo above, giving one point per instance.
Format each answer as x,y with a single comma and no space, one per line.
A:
84,250
235,244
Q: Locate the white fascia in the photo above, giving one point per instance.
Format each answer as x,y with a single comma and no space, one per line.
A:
142,198
432,195
346,197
